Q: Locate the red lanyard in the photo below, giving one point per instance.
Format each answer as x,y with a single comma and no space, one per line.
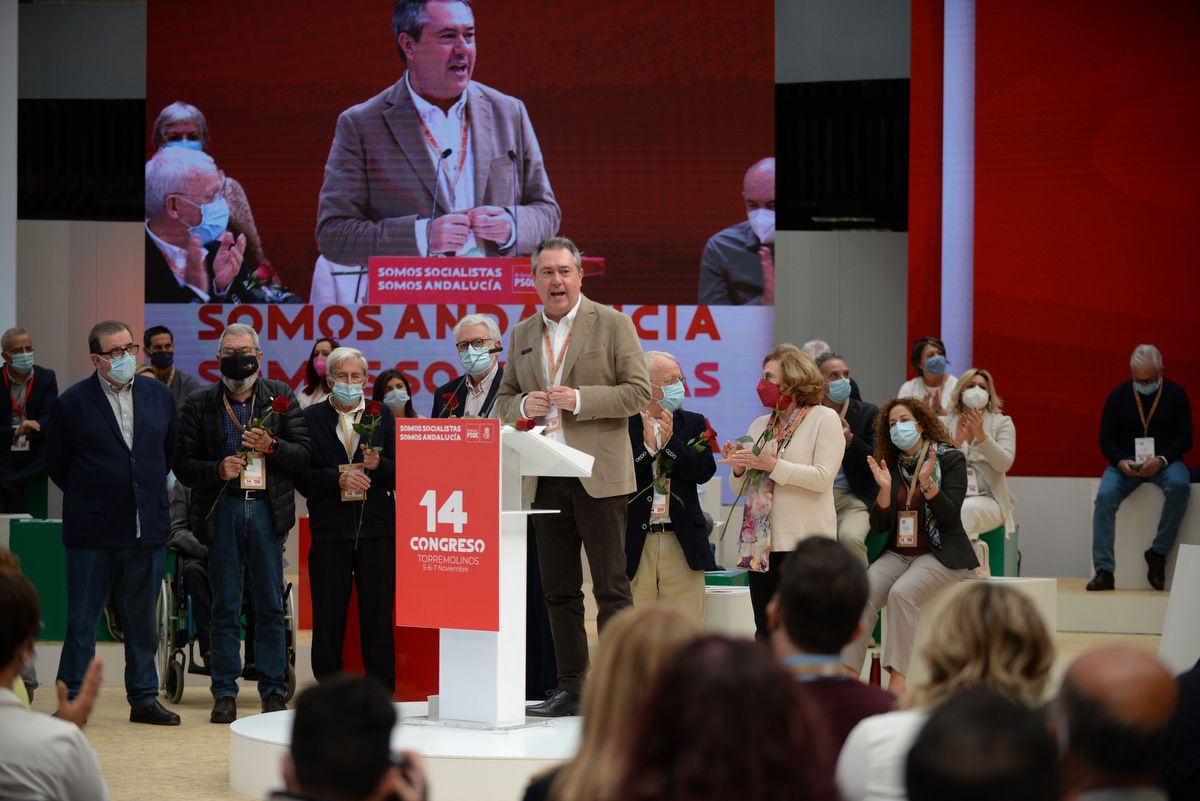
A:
1137,396
20,410
462,153
555,363
233,417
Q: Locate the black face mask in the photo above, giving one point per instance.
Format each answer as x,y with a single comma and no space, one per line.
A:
237,366
162,359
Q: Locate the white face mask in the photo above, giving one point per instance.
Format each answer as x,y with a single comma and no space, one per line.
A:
975,397
763,223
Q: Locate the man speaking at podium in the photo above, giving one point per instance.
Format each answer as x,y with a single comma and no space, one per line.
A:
578,368
434,132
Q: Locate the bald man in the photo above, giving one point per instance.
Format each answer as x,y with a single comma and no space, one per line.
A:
1115,717
738,265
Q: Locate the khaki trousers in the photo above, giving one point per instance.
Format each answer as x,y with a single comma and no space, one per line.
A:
853,522
902,584
663,575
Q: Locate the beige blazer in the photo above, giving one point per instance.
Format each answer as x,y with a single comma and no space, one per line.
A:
802,506
605,363
993,458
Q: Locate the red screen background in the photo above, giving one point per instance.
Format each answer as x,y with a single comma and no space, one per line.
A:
648,114
1087,208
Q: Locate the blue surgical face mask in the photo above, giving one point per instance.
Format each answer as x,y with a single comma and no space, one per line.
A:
839,390
122,368
904,434
214,219
22,361
396,399
672,399
190,144
476,361
347,394
1145,389
936,364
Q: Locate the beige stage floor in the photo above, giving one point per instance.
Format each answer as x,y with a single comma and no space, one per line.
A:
145,763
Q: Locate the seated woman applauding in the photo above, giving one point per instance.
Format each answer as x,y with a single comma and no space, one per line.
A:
922,480
989,441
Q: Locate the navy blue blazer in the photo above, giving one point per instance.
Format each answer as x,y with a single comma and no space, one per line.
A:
107,486
20,467
690,469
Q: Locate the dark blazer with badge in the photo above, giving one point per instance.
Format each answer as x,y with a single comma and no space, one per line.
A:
956,552
201,429
689,469
459,389
861,419
108,486
20,467
331,518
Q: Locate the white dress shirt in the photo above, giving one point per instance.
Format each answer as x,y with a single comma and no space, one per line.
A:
476,395
343,427
44,757
121,401
559,332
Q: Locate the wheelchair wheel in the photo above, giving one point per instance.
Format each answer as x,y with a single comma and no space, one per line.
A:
290,674
173,685
165,634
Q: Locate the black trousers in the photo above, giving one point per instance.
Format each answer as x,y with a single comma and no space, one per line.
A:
334,566
598,524
762,590
541,673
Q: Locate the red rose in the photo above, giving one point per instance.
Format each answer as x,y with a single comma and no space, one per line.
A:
374,408
525,424
263,273
711,436
280,404
451,400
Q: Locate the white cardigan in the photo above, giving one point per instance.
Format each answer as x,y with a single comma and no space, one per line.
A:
915,388
992,458
802,505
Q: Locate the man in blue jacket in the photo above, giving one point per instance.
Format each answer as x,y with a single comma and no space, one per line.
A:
666,535
109,444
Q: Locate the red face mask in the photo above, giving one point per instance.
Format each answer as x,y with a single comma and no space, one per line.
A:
769,394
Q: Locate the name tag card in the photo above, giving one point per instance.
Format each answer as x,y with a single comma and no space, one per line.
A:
351,495
906,529
661,499
21,443
1143,449
254,476
972,484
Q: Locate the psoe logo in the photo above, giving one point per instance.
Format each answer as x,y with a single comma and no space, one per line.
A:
522,280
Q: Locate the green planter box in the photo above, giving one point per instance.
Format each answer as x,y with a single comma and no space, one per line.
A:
726,578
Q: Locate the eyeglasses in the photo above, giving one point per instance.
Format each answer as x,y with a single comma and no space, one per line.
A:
478,344
218,195
117,353
245,350
670,382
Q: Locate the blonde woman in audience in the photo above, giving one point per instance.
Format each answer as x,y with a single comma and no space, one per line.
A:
987,636
637,644
988,439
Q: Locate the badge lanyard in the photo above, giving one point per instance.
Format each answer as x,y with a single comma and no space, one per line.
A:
462,155
233,417
845,408
555,362
912,487
1137,397
20,410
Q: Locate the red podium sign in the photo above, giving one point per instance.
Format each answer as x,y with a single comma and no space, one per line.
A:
418,279
448,524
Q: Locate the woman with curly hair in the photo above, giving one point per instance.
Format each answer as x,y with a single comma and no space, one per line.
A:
922,480
784,467
986,637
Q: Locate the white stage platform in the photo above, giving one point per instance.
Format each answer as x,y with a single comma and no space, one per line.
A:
463,764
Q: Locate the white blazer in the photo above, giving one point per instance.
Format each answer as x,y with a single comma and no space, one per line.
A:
802,505
992,458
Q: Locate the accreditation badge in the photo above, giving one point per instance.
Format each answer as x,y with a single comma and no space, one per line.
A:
351,495
972,483
21,443
1143,449
906,529
254,475
662,497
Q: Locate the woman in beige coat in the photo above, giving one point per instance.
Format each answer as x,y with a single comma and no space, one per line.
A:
988,439
784,467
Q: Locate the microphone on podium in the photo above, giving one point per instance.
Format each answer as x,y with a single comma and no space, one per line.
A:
437,181
512,156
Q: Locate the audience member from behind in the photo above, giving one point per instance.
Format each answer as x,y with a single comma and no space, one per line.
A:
854,487
987,636
393,391
934,385
922,480
40,756
787,474
1145,430
341,747
988,440
815,612
1115,720
1181,773
724,721
982,746
638,645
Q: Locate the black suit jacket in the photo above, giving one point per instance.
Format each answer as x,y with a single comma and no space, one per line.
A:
956,552
200,433
861,419
331,518
108,486
459,387
690,469
18,468
161,286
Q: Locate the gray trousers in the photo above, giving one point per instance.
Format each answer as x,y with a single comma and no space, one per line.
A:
902,584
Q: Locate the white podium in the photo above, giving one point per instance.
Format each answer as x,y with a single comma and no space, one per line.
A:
482,673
